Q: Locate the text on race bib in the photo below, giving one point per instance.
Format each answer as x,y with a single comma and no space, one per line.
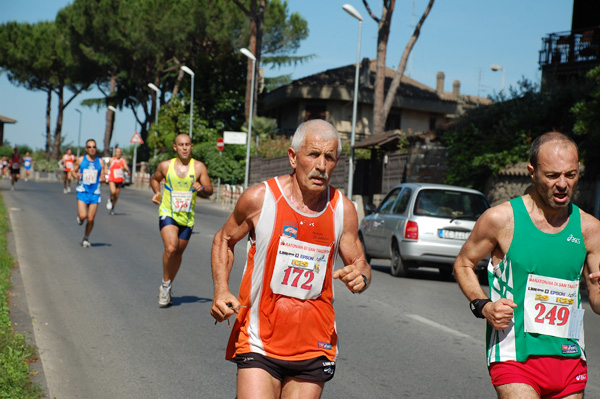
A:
181,201
551,307
90,176
300,268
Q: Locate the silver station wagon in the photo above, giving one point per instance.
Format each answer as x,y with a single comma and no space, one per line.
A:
422,224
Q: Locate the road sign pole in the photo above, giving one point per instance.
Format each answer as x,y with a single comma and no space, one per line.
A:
134,163
219,181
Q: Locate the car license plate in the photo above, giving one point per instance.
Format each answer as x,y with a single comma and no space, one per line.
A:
454,235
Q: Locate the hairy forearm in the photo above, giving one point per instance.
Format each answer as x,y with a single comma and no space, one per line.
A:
468,282
222,258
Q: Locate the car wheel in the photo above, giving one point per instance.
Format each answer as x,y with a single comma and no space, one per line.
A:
398,268
364,248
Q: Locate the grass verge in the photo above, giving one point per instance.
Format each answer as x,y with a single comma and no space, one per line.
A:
15,353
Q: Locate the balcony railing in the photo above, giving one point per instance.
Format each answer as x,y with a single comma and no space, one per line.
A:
571,47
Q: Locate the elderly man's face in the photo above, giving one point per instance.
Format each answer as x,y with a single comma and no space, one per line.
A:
315,161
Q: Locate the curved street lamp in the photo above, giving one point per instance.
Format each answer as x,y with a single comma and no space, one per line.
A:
190,72
352,11
157,90
248,54
495,68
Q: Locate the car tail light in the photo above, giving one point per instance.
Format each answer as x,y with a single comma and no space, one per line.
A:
412,230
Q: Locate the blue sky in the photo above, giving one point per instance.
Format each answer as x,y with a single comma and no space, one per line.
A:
462,38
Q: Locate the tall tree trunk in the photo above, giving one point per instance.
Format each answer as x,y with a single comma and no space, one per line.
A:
391,94
59,122
110,117
383,34
256,12
48,122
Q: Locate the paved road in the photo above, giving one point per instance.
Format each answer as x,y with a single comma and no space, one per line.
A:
101,333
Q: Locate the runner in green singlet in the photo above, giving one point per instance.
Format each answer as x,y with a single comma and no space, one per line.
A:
540,245
185,178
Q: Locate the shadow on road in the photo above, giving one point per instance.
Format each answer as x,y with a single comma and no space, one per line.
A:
177,301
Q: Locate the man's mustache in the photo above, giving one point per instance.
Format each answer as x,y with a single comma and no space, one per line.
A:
316,173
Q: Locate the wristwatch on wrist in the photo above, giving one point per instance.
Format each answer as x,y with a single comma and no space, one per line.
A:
366,284
477,306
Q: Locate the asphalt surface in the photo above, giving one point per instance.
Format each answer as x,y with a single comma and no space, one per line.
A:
95,317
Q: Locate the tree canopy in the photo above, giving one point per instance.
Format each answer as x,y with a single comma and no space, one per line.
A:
121,46
487,138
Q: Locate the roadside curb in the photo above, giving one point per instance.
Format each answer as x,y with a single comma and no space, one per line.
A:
20,316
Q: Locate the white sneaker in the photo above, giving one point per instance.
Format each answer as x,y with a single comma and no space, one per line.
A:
164,295
109,205
69,189
79,221
64,190
85,243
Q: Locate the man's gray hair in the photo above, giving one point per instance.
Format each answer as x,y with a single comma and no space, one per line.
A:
325,128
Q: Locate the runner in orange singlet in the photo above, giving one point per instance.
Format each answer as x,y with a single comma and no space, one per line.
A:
284,339
67,161
116,176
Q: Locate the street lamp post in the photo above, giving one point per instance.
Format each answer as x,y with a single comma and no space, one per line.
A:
157,90
352,11
248,54
78,134
190,72
495,68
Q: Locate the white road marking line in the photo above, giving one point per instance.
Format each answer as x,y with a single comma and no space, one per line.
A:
442,327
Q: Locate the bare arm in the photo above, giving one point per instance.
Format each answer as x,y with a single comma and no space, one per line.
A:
355,264
239,224
103,171
591,236
75,170
489,231
202,185
159,175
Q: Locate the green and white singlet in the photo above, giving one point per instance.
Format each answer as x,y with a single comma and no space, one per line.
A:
541,274
179,198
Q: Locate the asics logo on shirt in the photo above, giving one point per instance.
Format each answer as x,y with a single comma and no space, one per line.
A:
574,239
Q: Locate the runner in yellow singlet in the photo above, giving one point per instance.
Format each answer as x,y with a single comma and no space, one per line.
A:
185,178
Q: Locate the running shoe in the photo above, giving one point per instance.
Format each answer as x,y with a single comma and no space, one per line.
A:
79,221
164,295
85,243
109,205
112,212
64,190
69,189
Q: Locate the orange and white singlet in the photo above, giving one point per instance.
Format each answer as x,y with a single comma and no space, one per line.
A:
115,172
68,161
287,284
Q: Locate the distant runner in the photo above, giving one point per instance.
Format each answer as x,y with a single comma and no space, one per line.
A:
67,161
27,164
184,179
15,168
116,176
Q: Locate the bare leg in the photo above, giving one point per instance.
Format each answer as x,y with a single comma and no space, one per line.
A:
91,214
257,384
174,248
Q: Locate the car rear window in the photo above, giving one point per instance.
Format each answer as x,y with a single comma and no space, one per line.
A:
450,204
